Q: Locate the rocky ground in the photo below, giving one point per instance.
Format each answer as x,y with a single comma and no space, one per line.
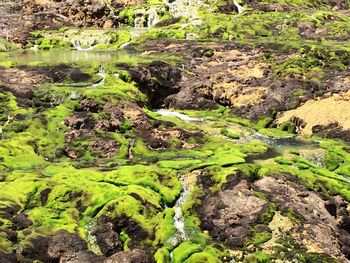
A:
260,160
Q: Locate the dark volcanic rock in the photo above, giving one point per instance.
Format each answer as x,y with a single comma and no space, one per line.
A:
7,258
80,120
157,80
229,214
333,130
107,239
64,245
22,221
44,195
134,256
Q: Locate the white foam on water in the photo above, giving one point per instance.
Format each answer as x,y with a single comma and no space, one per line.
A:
179,115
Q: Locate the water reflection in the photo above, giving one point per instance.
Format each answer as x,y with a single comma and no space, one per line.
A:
68,56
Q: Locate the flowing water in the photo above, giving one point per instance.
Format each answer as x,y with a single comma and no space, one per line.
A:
83,45
240,8
181,116
146,17
309,151
184,8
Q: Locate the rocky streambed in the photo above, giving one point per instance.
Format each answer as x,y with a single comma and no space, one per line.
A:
213,135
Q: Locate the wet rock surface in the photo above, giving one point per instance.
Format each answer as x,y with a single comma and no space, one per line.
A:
21,81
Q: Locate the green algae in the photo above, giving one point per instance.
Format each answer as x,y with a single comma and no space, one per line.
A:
317,179
162,256
202,257
6,45
259,257
139,189
184,251
276,133
260,237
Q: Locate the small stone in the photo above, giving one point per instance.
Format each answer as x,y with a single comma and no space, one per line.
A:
108,24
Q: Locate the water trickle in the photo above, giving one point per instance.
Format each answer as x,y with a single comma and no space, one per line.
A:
102,74
91,238
179,115
187,181
146,18
184,8
78,45
315,156
179,221
240,8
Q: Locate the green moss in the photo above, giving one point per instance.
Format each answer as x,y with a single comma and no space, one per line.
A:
126,126
219,175
258,257
184,251
178,164
6,45
283,160
315,257
165,229
254,147
261,237
333,160
343,170
204,257
162,256
161,180
267,215
317,179
302,163
229,134
45,43
298,93
263,123
275,133
292,214
127,16
17,154
5,243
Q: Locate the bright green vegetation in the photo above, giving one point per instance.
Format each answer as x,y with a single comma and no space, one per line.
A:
6,45
70,184
83,38
64,176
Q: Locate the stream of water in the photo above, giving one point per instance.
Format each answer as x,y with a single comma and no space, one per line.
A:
247,135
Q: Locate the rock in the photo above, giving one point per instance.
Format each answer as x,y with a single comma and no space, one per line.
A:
104,148
319,120
108,24
134,256
157,80
44,195
86,257
229,214
64,246
22,221
80,120
332,130
89,105
7,257
107,239
318,229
